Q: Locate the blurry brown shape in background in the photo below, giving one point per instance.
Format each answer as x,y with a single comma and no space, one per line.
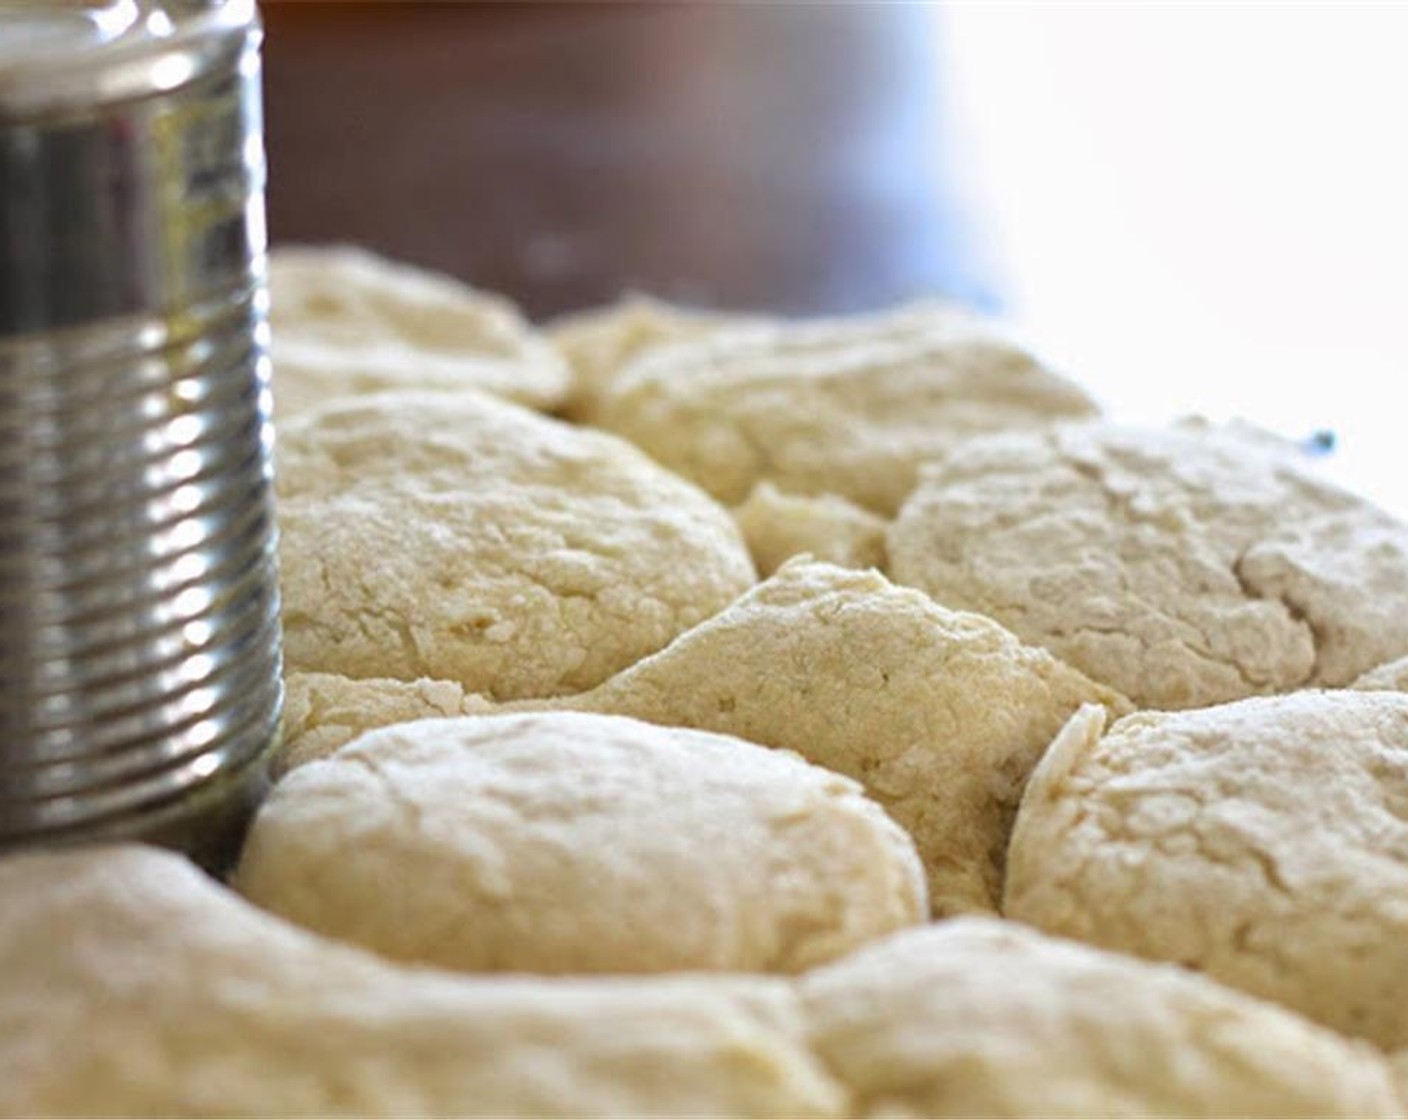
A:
788,157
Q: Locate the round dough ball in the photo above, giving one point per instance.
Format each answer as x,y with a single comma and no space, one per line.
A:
566,842
326,711
132,985
939,715
779,526
1183,566
346,321
1264,842
462,538
844,406
976,1017
599,343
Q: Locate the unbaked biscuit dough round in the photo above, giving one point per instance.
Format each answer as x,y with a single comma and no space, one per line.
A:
1264,842
460,537
842,406
133,985
1183,566
976,1017
570,843
1392,677
778,526
600,342
325,711
939,715
346,321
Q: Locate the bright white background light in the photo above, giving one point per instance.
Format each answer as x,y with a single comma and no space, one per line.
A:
1204,207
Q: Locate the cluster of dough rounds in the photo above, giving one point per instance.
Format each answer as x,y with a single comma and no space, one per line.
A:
134,985
346,320
703,714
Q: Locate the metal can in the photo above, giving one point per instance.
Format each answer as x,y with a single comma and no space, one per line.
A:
140,683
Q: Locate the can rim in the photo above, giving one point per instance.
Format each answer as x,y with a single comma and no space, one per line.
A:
129,67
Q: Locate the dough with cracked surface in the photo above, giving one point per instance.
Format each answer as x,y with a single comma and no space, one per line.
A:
463,538
778,526
347,321
939,715
567,842
133,985
977,1017
1264,842
842,406
600,342
1183,566
325,711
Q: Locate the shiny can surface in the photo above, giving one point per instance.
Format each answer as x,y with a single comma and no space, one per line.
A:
139,639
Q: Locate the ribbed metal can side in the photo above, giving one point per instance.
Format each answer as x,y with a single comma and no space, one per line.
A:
140,671
131,680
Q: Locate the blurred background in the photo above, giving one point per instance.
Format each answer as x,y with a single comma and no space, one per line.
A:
1190,207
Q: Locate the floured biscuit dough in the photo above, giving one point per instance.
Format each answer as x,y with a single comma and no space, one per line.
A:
1392,677
132,985
1183,566
347,321
778,526
1264,842
843,406
460,537
567,842
325,711
940,715
977,1017
599,343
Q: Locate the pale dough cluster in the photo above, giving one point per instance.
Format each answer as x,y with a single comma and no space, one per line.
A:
542,719
976,1017
1182,566
600,343
940,715
574,843
346,321
1263,842
132,985
463,538
136,986
779,526
845,406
